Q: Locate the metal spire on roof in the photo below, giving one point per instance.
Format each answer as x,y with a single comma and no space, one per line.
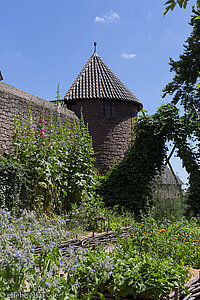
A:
97,81
1,77
95,48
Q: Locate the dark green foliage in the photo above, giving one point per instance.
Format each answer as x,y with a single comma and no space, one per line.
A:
184,84
189,153
13,183
185,91
129,183
171,4
168,208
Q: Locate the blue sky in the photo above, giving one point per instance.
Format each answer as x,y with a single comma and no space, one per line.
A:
47,42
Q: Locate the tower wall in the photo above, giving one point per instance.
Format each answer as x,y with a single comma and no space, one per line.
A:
110,135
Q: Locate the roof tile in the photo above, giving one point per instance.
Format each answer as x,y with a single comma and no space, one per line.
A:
97,81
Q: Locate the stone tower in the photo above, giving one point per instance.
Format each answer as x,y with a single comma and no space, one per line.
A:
108,107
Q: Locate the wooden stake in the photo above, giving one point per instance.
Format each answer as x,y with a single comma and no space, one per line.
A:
176,296
108,223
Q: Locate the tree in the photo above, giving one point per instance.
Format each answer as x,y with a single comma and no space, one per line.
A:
184,84
182,4
129,184
185,89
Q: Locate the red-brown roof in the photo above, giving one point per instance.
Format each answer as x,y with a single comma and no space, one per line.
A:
97,81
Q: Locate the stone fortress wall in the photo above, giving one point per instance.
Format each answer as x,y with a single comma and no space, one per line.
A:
14,101
111,136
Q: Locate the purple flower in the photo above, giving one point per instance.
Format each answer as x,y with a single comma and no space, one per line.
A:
46,283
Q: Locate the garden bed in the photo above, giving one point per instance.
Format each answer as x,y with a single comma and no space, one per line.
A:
147,259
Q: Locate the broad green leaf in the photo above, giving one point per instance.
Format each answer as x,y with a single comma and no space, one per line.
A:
166,10
101,296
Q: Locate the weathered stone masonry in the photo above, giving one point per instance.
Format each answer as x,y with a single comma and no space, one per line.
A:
111,135
13,100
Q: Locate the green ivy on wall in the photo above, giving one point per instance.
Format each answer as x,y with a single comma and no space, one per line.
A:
129,183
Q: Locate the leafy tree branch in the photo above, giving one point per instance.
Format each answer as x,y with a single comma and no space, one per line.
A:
171,4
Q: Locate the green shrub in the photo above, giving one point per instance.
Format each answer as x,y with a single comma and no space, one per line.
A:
13,183
145,275
128,184
168,208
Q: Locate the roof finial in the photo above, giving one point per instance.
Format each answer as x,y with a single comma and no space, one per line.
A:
95,47
1,77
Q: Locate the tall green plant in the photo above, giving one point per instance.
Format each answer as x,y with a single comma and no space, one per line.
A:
57,157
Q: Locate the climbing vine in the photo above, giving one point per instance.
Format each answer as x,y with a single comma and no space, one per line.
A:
129,183
188,144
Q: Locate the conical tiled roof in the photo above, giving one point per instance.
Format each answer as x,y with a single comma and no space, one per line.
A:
97,81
